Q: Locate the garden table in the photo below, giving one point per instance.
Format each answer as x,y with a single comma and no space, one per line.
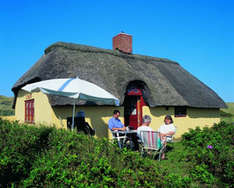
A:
122,136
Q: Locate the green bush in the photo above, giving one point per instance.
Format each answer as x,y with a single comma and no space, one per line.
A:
20,146
47,157
78,160
201,174
211,152
174,180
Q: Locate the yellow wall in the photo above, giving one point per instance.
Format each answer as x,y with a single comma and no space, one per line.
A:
195,117
98,116
42,109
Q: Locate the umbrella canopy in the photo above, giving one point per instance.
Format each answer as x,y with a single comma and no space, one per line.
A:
74,88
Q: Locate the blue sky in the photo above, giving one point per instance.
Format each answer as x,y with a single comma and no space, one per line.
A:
197,34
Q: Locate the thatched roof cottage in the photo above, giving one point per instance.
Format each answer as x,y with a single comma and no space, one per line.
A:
144,85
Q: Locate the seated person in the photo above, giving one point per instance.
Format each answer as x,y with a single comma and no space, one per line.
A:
145,126
114,123
166,131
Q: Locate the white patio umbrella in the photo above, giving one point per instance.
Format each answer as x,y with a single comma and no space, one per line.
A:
75,88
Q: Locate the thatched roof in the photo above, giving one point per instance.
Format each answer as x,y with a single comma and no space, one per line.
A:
165,82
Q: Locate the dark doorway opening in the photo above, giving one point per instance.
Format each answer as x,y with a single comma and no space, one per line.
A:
133,104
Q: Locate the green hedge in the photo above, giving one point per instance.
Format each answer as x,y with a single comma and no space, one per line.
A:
47,157
210,150
20,146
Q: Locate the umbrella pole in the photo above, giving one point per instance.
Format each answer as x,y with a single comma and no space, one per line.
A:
73,115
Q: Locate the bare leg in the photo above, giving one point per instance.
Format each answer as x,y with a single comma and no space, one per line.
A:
163,152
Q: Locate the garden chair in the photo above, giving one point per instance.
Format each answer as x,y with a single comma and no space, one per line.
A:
151,144
120,137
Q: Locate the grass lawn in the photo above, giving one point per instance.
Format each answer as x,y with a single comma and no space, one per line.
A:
227,114
6,106
173,161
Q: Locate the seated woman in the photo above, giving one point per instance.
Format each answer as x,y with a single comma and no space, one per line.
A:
166,131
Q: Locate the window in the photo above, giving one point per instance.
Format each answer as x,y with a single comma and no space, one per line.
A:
29,111
180,111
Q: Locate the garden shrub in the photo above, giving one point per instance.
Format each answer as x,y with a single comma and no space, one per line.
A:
47,157
174,180
211,152
78,160
20,146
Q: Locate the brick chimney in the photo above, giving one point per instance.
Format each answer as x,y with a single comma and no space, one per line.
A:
122,42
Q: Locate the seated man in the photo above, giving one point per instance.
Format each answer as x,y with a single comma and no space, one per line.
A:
114,123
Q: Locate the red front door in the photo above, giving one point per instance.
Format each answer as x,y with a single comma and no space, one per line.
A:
133,108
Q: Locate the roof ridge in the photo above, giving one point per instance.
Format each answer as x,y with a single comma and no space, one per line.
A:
86,48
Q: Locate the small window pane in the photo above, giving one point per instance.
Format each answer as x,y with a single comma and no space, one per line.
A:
180,111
